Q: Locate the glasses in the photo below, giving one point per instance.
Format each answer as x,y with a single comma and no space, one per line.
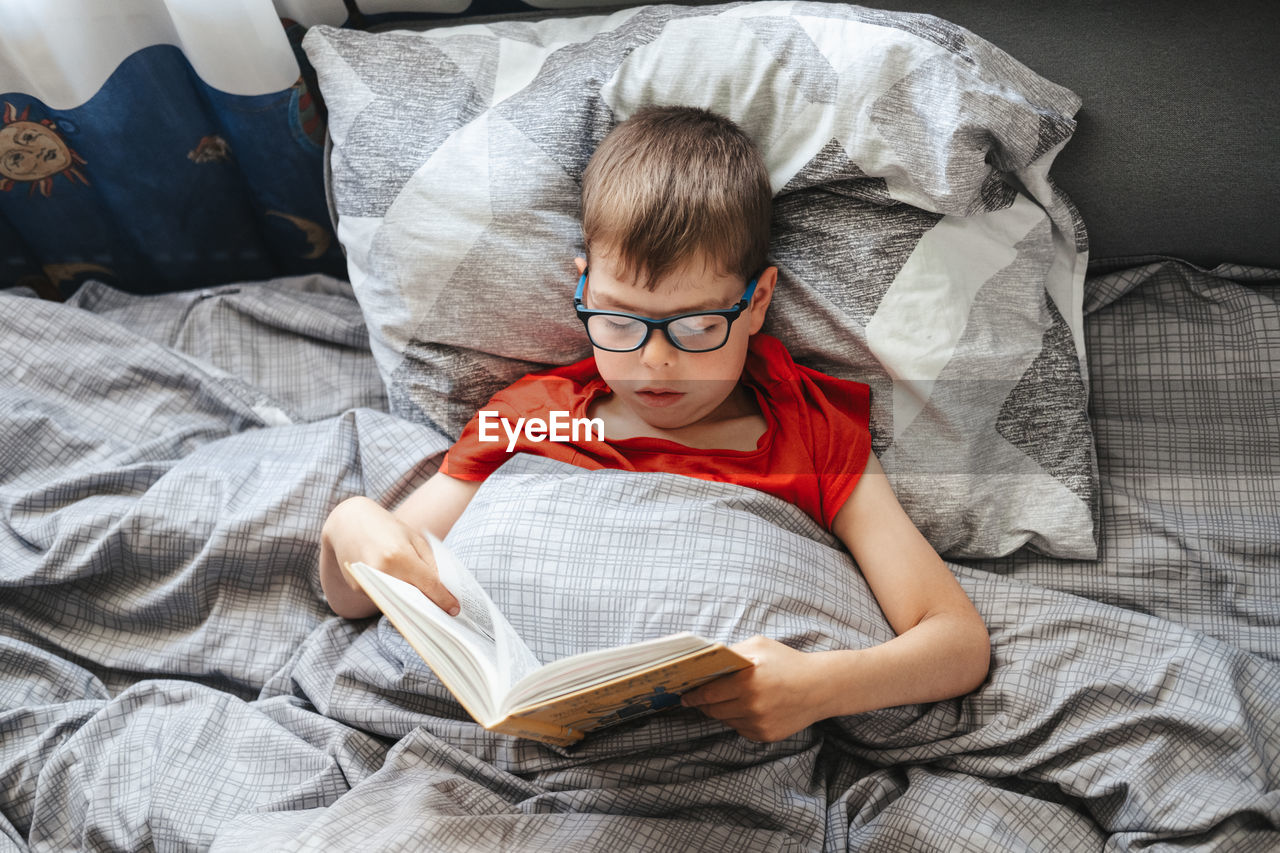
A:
697,331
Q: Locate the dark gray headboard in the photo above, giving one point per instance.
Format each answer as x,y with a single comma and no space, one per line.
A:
1177,150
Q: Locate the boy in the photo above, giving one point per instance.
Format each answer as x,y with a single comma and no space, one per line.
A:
676,207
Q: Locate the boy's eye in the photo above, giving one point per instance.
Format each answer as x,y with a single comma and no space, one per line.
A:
694,326
609,331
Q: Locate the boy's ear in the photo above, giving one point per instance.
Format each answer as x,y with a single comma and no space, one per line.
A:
761,298
581,264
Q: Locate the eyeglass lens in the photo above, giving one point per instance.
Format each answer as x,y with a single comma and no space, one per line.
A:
697,333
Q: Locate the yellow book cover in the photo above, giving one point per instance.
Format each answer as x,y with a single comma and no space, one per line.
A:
497,679
628,696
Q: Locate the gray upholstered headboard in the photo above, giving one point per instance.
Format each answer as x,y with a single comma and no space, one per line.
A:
1177,150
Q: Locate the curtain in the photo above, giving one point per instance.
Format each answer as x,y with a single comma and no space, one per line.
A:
164,145
160,144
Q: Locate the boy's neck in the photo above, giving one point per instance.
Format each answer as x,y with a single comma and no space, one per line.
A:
736,424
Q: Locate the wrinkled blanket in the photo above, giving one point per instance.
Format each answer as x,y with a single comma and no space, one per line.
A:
171,678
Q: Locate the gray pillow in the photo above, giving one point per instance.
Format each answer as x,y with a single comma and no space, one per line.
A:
921,244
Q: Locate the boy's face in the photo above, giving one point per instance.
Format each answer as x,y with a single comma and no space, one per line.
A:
666,387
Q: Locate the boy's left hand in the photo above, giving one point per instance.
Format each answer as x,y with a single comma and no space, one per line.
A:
766,702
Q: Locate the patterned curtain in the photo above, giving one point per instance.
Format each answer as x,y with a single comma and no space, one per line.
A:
163,145
160,144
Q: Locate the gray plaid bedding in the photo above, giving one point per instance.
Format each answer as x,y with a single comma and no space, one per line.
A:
1185,401
170,677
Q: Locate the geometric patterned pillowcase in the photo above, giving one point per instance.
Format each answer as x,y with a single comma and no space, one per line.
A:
921,245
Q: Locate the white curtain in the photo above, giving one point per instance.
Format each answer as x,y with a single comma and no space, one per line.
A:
62,51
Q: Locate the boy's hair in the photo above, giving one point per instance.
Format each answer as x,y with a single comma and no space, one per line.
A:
672,182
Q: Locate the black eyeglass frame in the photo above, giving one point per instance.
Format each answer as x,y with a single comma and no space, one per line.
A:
730,314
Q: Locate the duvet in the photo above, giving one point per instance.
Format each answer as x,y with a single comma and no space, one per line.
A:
171,678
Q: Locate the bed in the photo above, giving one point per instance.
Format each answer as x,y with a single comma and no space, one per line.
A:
1091,447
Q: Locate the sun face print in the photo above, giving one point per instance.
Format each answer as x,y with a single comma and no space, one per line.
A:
211,149
33,152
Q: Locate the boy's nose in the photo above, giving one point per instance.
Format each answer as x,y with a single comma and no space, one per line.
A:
658,351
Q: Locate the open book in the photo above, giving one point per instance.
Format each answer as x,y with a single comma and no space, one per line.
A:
485,664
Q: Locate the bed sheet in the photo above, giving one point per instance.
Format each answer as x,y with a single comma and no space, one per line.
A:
170,676
1184,370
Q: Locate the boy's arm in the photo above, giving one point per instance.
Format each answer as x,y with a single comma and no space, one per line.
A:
942,648
361,530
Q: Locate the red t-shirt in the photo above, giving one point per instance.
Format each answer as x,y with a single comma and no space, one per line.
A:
812,452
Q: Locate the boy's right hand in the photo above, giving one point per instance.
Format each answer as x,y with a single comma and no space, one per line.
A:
360,530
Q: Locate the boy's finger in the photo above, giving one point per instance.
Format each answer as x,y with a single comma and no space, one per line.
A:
711,693
430,583
440,594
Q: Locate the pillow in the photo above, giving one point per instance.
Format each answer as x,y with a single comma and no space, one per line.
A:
921,245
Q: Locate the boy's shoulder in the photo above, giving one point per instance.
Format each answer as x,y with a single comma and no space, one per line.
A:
799,395
559,385
770,365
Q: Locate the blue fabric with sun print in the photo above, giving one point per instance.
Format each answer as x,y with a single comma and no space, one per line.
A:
161,182
173,146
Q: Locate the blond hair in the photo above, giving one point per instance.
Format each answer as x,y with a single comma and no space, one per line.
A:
671,184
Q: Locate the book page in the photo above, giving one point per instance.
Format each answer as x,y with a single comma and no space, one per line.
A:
464,659
512,658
